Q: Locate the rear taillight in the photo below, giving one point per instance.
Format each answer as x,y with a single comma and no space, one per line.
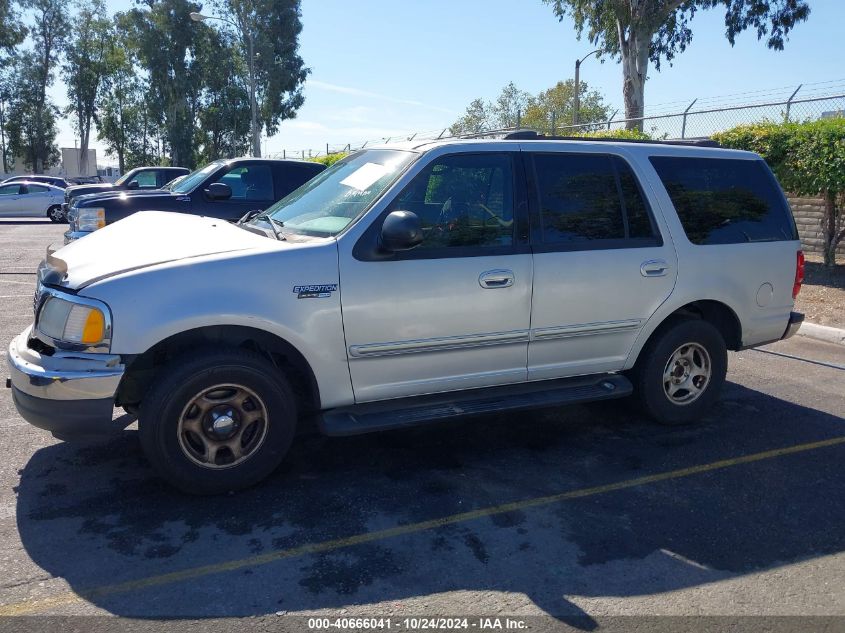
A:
799,274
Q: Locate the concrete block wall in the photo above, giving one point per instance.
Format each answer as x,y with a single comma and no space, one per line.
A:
809,212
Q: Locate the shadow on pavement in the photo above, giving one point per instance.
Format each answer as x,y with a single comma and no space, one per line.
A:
95,515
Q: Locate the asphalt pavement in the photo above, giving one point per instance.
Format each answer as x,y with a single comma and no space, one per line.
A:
582,514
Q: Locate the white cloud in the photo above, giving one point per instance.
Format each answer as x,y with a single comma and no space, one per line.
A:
323,85
298,124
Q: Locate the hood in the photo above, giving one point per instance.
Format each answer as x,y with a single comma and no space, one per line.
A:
82,190
92,198
145,239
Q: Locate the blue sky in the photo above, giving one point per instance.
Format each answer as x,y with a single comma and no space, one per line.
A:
381,67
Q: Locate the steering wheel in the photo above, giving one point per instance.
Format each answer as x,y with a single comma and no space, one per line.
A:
493,219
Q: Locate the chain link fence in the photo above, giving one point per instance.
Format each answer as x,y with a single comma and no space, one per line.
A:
681,124
706,122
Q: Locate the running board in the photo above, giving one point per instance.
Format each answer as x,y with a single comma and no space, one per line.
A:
405,412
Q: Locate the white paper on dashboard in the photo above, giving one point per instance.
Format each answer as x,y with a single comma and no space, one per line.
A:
364,176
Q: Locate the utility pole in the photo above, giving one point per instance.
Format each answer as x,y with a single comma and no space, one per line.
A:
577,105
246,32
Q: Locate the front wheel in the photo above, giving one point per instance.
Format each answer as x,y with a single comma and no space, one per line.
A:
681,371
217,421
56,214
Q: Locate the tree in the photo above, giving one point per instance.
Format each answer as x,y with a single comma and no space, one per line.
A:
268,31
5,98
31,122
87,57
553,107
514,107
37,131
223,113
483,116
119,107
12,32
641,31
509,107
164,40
808,159
477,118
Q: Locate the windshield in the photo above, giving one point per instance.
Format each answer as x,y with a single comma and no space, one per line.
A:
170,185
195,178
326,204
125,177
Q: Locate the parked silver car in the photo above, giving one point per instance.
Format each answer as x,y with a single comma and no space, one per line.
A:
31,199
411,284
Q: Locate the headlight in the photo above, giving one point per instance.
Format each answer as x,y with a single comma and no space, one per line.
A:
90,218
71,322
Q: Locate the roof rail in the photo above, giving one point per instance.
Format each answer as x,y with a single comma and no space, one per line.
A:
531,135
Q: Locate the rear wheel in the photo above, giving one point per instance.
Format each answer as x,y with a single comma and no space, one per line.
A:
56,214
680,372
217,421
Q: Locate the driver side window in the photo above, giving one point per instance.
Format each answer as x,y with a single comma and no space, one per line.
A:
463,200
146,180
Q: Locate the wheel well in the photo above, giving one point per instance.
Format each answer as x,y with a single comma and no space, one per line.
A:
717,314
141,370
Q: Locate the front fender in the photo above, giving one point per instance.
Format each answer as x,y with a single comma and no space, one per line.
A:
237,289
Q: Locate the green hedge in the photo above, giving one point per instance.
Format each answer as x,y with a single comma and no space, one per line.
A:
635,135
330,159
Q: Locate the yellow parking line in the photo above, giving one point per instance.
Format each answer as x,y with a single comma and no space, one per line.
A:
42,604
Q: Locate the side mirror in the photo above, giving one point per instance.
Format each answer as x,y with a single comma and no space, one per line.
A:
218,191
132,184
401,231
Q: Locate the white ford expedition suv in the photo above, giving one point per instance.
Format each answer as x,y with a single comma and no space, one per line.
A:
410,284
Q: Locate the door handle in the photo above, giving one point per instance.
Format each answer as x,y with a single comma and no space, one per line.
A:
496,279
654,268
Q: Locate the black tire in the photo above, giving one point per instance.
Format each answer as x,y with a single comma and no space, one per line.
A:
177,386
648,374
56,214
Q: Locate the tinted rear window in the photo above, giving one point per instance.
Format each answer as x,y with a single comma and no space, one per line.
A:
724,201
589,197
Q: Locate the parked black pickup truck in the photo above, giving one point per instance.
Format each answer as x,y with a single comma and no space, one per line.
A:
225,189
140,178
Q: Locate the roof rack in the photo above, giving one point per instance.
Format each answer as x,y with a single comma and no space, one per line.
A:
531,135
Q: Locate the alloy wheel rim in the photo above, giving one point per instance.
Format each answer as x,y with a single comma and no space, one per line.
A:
222,426
687,374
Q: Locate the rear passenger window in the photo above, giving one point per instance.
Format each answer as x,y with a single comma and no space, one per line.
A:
725,201
589,197
294,176
249,182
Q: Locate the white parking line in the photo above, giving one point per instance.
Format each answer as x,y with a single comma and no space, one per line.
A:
12,281
14,296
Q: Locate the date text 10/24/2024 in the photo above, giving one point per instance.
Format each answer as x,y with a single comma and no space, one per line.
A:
418,623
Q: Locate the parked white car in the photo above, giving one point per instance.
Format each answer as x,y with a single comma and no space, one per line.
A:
31,199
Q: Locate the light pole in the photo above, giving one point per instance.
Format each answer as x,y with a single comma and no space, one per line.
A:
577,105
255,131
